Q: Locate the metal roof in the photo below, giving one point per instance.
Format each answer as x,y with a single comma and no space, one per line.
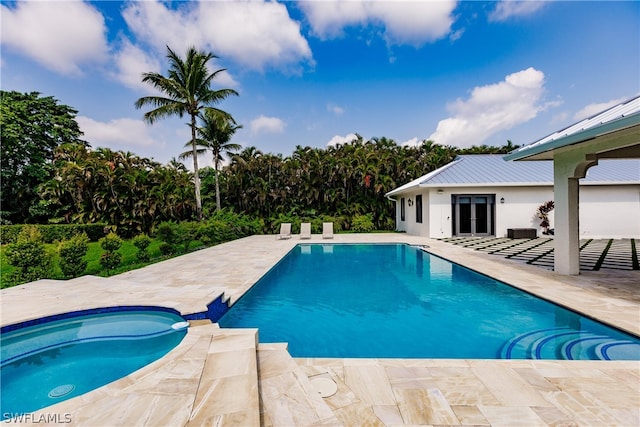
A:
621,116
493,170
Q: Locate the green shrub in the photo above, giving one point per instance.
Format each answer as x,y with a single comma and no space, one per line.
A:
167,249
339,223
389,224
166,231
177,234
239,225
216,231
185,234
72,253
142,242
54,232
9,233
228,225
275,222
111,242
221,226
362,223
29,257
110,259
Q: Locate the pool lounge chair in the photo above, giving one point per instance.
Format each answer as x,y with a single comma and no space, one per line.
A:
305,230
285,231
327,230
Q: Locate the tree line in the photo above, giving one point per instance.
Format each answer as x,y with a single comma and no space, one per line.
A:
51,175
85,185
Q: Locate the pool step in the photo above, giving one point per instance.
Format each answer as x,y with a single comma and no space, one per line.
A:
286,395
568,344
228,389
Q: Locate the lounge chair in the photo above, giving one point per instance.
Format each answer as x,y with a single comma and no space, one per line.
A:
305,230
285,231
327,230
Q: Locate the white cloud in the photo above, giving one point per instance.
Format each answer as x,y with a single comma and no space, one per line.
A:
264,124
255,34
408,22
456,35
414,22
506,9
328,18
59,35
224,79
335,109
413,142
491,109
342,139
156,25
131,63
595,108
117,134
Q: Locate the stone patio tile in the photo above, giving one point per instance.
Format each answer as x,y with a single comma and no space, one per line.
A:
370,391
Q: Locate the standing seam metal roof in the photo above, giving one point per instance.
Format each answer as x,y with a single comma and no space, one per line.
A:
492,169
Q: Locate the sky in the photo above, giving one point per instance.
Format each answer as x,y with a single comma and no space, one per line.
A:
315,73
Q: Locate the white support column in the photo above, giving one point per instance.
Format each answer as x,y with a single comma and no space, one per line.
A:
568,168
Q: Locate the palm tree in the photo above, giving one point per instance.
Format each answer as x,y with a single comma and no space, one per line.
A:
188,91
215,133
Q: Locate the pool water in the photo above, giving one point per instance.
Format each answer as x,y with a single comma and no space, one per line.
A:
50,362
397,301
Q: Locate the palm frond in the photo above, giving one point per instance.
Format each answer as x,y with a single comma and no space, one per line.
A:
189,153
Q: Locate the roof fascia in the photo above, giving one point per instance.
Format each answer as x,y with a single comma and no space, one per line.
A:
508,184
584,135
488,184
416,183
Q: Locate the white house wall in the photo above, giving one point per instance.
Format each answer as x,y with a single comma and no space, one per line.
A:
400,224
605,211
518,210
409,224
610,211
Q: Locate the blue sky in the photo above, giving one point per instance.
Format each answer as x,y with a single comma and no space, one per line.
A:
316,72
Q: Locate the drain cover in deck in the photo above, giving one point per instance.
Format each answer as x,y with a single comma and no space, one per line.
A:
324,385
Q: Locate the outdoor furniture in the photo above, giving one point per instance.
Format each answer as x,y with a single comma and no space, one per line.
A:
285,231
305,230
327,230
522,233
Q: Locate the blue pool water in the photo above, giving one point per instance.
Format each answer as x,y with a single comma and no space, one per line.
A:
340,300
53,361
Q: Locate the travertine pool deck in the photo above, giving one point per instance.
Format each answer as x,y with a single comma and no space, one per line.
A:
226,377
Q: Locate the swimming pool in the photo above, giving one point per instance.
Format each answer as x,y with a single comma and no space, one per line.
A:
46,362
397,301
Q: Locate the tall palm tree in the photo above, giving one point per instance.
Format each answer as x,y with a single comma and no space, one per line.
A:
187,90
214,135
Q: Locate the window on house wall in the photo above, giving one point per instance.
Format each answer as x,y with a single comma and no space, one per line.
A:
419,208
402,209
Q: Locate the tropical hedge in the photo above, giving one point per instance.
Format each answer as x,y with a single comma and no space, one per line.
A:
54,232
29,258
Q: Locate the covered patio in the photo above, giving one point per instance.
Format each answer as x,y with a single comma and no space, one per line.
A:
611,134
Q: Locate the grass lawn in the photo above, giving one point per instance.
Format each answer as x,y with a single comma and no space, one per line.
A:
127,250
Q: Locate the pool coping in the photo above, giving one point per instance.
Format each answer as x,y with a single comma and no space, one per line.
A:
176,284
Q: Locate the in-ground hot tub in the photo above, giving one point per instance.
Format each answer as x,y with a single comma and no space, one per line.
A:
46,361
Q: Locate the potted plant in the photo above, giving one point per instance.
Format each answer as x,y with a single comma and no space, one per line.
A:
542,213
